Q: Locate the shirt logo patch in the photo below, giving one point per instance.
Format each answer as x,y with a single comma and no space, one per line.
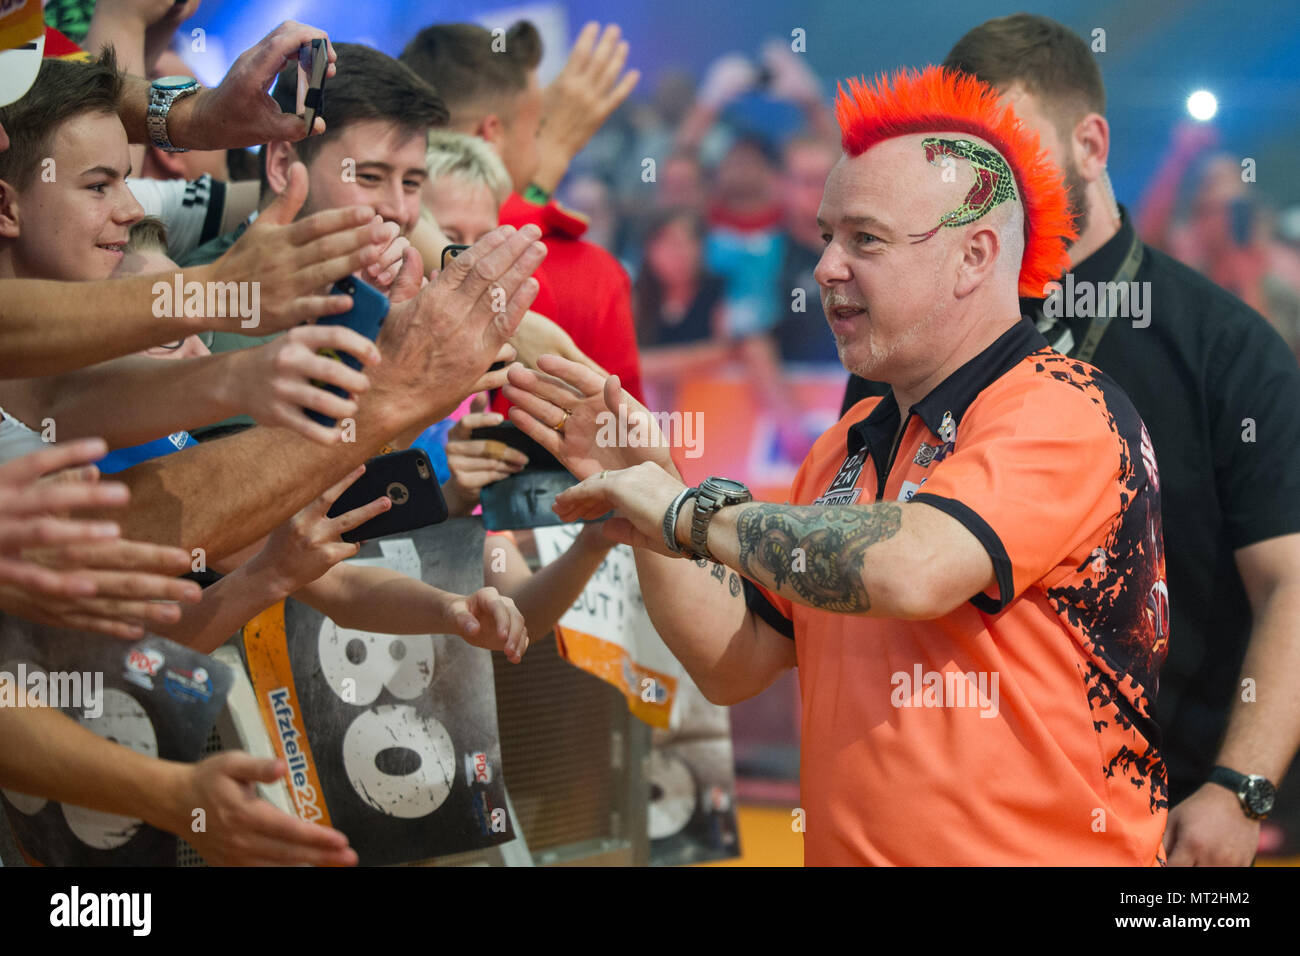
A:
910,488
925,454
842,490
840,497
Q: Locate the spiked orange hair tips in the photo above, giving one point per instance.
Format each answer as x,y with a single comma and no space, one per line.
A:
939,100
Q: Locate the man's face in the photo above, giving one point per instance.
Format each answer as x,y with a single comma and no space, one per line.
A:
1036,115
76,212
465,211
519,151
885,293
370,163
802,182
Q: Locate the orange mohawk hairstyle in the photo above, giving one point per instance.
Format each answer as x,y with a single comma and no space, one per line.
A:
938,100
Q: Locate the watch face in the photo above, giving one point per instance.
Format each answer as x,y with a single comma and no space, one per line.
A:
1260,795
175,82
732,489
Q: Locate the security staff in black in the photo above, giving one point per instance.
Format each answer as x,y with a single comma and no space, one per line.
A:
1219,392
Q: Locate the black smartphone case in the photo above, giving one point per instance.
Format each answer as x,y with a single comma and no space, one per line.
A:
409,479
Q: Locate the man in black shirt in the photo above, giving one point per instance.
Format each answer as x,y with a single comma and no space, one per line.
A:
1219,391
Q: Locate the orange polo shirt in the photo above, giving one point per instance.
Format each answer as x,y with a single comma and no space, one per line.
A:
1017,729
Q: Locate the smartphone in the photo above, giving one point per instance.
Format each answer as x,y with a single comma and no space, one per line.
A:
524,499
313,61
451,251
366,317
508,433
407,477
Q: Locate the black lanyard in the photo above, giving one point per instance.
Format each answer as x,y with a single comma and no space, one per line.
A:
1100,323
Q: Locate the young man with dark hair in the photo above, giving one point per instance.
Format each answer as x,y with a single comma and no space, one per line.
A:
490,84
1204,371
378,115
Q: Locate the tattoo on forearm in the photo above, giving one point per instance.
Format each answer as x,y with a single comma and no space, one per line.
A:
817,551
719,573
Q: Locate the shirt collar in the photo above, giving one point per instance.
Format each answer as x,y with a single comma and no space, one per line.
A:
953,395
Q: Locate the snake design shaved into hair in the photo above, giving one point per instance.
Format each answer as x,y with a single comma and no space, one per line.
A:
936,103
994,183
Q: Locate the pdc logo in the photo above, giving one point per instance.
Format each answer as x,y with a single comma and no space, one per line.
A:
145,662
477,768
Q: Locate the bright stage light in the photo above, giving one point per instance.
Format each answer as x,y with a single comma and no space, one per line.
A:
1202,105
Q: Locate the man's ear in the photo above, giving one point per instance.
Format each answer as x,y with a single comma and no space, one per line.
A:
492,129
279,157
8,211
980,253
160,164
1091,146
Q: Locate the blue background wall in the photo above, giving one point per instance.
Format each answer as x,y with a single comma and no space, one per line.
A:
1157,51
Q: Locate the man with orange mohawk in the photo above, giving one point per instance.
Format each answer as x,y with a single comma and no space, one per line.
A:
969,574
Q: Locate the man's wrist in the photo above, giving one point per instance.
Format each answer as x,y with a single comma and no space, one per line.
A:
459,502
228,388
163,791
552,167
262,581
184,128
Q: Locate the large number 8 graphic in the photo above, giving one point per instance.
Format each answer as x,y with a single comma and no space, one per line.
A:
398,762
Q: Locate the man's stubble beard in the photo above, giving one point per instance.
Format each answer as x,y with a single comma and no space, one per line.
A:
881,354
1077,194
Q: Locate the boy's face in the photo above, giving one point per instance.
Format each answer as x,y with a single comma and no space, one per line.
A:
465,211
75,213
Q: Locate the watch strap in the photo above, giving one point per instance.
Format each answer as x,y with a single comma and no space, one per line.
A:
670,521
1239,784
706,506
161,101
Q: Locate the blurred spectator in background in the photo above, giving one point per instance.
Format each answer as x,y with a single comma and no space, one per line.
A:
800,331
591,196
493,93
1227,233
678,303
744,244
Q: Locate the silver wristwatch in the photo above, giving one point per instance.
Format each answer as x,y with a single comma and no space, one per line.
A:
162,94
712,494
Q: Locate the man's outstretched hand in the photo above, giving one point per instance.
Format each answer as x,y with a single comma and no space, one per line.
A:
64,572
591,440
441,336
639,497
589,88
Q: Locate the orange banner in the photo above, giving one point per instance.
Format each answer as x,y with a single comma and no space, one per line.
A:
277,699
